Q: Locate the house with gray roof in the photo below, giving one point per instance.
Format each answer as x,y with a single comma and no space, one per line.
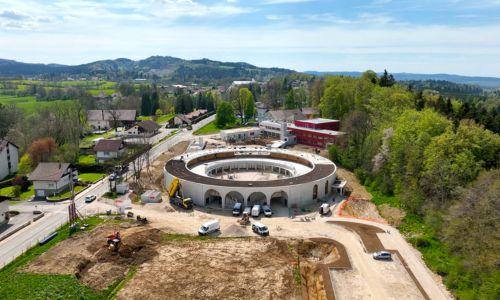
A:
109,149
51,178
105,119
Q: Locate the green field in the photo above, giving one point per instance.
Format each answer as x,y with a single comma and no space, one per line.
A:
210,128
21,285
86,159
160,120
91,177
29,104
109,134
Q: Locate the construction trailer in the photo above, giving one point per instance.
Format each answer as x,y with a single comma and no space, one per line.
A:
176,197
151,196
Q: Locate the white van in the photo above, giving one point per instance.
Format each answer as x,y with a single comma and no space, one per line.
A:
324,209
209,227
256,210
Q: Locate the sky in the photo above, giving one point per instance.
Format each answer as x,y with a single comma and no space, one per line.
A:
418,36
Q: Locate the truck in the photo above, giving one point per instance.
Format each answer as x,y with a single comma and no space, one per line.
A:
176,197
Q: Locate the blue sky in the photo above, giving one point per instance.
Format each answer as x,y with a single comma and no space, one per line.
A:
421,36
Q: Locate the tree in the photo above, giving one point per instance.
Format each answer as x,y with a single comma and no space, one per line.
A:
290,100
155,101
42,150
25,164
240,102
249,107
387,80
146,104
225,115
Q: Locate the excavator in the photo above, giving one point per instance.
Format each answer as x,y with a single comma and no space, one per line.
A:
176,197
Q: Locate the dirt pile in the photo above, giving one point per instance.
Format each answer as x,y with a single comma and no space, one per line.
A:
88,258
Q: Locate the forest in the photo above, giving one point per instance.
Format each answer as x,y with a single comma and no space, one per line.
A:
433,158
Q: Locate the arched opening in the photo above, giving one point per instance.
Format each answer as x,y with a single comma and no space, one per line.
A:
257,198
213,198
232,198
279,199
326,188
315,192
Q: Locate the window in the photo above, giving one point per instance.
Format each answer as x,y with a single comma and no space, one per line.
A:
51,185
106,153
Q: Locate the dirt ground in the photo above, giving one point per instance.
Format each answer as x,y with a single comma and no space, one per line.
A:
223,268
393,215
361,208
87,257
152,178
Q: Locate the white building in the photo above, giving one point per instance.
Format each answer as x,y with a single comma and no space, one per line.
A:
105,119
4,209
51,178
239,134
278,130
9,158
109,149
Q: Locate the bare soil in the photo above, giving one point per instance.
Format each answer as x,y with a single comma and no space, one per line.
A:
361,208
87,256
353,185
220,268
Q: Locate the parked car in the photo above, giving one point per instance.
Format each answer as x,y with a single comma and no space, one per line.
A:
256,210
209,227
382,255
90,198
247,210
324,209
267,211
260,228
237,209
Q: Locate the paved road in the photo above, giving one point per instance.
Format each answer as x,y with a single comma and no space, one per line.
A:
56,214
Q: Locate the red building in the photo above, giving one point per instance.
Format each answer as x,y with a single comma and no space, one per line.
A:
316,132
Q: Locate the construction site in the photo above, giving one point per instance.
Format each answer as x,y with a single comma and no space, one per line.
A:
309,254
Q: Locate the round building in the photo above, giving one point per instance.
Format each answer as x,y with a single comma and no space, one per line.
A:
276,177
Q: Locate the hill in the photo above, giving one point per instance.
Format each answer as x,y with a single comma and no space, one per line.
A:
484,82
156,67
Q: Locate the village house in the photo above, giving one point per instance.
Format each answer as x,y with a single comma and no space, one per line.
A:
106,119
9,158
178,121
145,128
109,149
51,178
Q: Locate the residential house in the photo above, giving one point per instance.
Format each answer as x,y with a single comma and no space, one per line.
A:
4,210
109,149
179,120
9,158
285,115
51,178
310,112
105,119
195,114
145,128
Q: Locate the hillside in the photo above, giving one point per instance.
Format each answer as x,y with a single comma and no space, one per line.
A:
484,82
164,67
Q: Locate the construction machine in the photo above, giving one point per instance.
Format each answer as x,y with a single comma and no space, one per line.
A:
114,241
245,219
176,197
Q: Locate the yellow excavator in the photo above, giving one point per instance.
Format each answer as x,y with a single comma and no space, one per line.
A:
176,197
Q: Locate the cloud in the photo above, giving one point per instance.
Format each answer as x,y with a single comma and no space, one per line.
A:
14,15
286,1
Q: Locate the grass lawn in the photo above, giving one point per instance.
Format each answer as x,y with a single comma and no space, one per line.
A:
91,177
86,159
20,285
106,135
29,104
210,128
9,192
66,194
160,120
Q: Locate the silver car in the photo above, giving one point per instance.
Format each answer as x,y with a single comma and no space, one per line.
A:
382,255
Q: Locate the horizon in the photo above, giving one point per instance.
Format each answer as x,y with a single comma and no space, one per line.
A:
448,37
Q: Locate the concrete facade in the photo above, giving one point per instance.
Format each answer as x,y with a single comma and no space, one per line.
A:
4,208
291,192
9,159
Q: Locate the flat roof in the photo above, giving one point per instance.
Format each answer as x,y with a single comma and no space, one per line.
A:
312,130
318,120
236,130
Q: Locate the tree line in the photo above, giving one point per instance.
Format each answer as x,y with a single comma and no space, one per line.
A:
433,156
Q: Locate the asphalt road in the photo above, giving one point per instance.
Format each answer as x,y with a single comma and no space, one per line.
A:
56,214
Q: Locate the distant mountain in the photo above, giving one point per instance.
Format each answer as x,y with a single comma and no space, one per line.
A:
164,67
485,82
